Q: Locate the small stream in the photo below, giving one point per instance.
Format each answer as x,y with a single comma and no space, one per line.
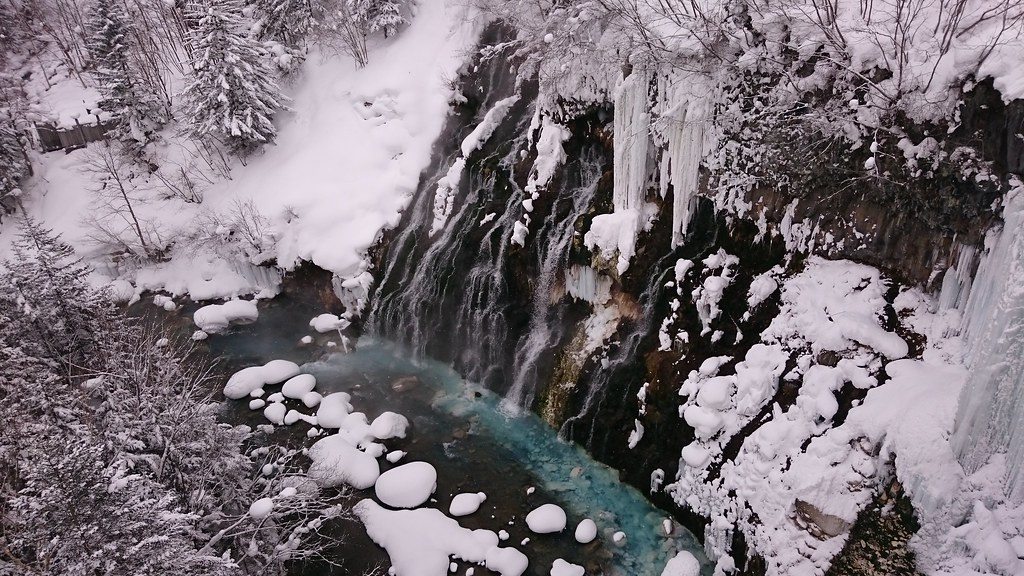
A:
459,428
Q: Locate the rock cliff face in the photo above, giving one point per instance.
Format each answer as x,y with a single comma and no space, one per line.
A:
518,288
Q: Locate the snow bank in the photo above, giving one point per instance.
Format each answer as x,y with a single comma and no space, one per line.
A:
834,305
407,486
217,317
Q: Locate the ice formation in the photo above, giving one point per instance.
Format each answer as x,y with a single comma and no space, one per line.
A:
990,418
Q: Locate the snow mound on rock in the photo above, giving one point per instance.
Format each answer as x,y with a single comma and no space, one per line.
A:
246,380
466,503
546,519
335,462
217,317
407,486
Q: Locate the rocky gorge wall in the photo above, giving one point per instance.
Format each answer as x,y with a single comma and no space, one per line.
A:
514,293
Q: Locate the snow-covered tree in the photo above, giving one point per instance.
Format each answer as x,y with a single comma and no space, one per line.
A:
285,21
14,164
112,458
380,15
346,24
232,95
50,285
126,96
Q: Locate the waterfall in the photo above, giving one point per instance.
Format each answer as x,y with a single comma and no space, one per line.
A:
451,282
990,417
547,323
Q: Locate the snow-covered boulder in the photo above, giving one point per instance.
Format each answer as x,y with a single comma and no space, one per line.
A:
335,462
562,568
466,503
389,425
217,317
546,519
586,531
333,410
407,486
298,386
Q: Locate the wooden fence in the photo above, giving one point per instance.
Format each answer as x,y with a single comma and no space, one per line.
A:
52,138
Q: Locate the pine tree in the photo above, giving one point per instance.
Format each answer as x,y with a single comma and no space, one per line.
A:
14,164
50,285
232,95
126,97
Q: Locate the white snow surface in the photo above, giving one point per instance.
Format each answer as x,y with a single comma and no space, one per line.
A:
333,409
335,461
261,508
562,568
407,486
466,503
246,380
586,531
217,317
298,386
328,323
347,159
420,542
546,519
682,564
389,425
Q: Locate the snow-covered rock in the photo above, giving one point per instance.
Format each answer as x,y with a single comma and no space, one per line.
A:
298,386
682,564
389,425
586,531
407,486
562,568
466,503
546,519
217,317
333,410
335,462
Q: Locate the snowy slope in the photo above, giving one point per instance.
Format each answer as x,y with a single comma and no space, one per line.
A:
348,157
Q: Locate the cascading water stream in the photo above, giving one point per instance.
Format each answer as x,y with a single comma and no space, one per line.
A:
547,321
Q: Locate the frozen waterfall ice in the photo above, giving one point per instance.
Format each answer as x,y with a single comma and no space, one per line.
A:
990,418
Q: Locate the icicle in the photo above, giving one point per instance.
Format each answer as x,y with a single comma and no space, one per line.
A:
990,418
956,283
685,151
632,138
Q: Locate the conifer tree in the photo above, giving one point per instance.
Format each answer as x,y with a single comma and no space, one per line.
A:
126,97
14,164
51,286
232,95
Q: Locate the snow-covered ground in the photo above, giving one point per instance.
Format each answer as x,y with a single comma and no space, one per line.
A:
348,156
